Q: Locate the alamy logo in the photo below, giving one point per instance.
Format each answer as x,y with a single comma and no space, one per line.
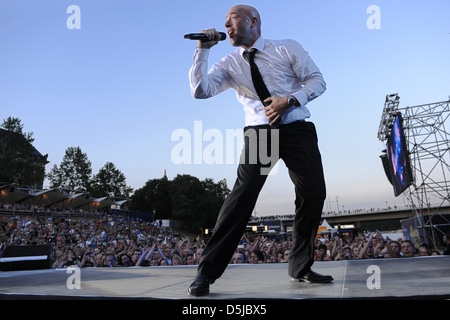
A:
374,20
374,280
212,146
74,280
74,20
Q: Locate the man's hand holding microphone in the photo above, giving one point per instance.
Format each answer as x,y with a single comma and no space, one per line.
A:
213,39
207,38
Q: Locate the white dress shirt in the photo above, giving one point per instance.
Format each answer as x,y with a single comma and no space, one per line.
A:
285,67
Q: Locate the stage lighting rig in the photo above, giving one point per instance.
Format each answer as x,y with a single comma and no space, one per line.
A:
390,111
426,148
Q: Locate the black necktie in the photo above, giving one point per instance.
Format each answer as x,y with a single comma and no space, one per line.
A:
260,87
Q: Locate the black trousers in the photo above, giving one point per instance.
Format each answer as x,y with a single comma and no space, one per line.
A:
296,144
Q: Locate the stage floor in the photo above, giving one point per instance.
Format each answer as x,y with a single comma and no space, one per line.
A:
420,277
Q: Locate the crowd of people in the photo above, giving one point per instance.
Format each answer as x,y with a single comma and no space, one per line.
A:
114,241
375,246
34,209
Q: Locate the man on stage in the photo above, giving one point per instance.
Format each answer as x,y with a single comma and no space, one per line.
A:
274,80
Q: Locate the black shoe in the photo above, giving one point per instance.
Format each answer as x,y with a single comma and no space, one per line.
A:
313,277
200,286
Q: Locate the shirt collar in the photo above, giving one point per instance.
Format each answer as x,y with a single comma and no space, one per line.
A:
259,45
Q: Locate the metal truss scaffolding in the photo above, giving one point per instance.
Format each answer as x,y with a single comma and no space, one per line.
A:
428,143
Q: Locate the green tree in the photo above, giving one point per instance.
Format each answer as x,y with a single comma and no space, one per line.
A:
14,125
215,194
110,181
74,172
186,198
20,162
154,197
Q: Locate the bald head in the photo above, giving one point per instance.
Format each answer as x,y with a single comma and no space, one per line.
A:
251,12
243,25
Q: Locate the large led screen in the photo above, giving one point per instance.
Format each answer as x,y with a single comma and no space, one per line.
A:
398,158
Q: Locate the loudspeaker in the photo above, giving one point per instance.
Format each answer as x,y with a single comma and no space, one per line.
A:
27,257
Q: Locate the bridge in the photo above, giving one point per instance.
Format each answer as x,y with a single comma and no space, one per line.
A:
360,219
358,216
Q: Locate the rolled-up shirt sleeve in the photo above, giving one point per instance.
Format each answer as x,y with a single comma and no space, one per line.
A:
204,83
307,72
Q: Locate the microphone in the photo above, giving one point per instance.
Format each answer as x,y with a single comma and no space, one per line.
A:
203,37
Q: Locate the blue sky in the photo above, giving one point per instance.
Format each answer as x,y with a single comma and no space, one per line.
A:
118,87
